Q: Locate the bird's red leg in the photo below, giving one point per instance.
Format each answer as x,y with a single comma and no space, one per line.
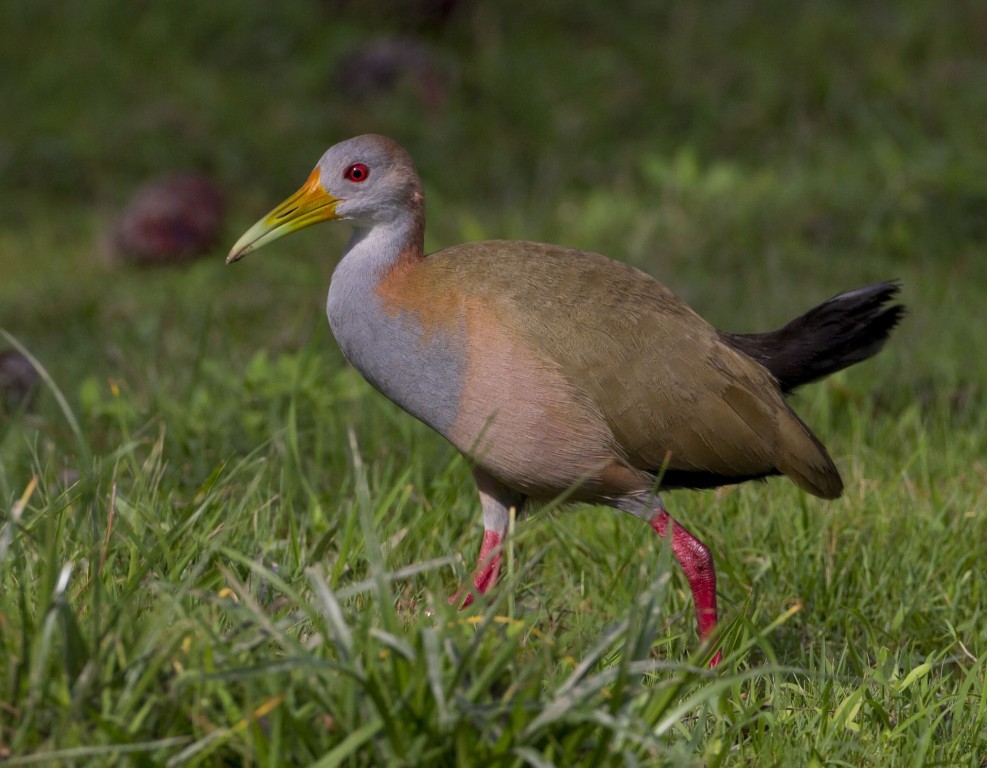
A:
697,564
497,501
487,569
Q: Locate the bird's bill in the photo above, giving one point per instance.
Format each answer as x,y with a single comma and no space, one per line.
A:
309,205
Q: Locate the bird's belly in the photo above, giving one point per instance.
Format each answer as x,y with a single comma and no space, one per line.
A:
522,421
536,445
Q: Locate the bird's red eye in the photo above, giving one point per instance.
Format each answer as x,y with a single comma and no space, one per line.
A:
357,172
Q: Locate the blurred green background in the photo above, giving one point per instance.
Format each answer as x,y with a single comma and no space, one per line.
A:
756,157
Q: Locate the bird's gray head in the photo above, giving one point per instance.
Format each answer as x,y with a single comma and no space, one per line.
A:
367,180
372,177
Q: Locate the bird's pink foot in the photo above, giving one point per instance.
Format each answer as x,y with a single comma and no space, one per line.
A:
697,564
488,569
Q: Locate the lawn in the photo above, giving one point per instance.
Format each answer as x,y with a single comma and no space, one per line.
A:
219,546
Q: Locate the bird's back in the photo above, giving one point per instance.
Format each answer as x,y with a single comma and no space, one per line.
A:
675,397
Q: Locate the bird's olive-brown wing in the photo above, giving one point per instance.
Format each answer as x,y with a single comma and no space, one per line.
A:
670,391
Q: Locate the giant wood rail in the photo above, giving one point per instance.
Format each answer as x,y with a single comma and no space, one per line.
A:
557,371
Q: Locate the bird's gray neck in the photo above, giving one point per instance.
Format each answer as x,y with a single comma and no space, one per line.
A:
371,253
374,250
389,348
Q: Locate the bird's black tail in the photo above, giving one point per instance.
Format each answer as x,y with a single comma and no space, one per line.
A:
838,333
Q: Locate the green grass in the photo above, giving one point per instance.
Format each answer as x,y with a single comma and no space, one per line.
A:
218,546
